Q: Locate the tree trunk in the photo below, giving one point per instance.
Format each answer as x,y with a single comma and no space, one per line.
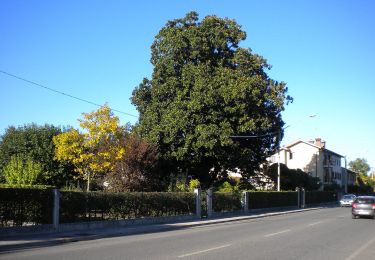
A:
88,182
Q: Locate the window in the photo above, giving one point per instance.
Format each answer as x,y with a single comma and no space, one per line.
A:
290,156
365,200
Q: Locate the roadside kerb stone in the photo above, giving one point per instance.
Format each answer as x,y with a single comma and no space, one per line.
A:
88,226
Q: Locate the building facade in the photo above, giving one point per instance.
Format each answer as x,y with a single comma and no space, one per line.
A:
313,158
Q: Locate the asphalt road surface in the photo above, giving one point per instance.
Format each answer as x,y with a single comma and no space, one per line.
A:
320,234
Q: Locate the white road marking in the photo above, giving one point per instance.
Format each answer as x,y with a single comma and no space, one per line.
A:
277,233
315,223
361,249
204,251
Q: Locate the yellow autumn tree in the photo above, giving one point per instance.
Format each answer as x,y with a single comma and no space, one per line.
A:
97,148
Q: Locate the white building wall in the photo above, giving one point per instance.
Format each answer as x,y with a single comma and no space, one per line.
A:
302,156
310,158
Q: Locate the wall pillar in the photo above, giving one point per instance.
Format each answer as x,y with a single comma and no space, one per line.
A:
303,197
298,197
56,209
245,198
198,209
209,202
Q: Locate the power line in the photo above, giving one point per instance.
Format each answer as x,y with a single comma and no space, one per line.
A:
61,93
269,134
253,136
259,136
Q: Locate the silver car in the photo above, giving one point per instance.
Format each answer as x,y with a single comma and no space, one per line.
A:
363,206
347,200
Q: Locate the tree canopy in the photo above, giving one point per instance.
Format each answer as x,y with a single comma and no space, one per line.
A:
35,142
138,169
360,166
204,90
290,179
22,170
96,150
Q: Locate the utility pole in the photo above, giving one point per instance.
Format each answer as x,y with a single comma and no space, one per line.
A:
278,161
346,178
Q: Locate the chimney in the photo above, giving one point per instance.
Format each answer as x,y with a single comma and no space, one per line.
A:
320,143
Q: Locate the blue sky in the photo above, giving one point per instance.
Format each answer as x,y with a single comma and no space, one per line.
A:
100,51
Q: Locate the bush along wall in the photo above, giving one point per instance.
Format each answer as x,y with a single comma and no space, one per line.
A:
25,206
93,206
226,202
269,199
30,206
315,197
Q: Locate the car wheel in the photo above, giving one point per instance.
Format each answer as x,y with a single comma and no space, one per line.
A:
354,216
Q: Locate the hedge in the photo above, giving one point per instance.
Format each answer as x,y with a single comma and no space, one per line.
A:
25,206
83,206
224,201
269,199
314,197
30,206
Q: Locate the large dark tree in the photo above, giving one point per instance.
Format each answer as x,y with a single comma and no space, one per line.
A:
290,179
35,142
204,90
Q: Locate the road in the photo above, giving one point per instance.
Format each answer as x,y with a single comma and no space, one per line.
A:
320,234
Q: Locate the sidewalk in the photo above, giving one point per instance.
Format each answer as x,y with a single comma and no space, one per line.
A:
25,241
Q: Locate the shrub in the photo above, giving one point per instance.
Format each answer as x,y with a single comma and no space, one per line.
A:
332,187
84,206
26,186
21,169
228,187
313,197
269,199
225,201
25,206
193,184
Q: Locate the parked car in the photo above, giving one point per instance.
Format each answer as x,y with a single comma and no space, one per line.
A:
363,206
347,200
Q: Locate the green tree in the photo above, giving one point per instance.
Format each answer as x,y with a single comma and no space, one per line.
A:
194,184
290,179
21,169
35,141
204,90
360,166
228,187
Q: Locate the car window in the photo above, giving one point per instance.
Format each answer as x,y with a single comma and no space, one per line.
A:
365,201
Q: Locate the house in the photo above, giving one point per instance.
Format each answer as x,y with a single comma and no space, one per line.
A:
315,159
352,177
259,180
